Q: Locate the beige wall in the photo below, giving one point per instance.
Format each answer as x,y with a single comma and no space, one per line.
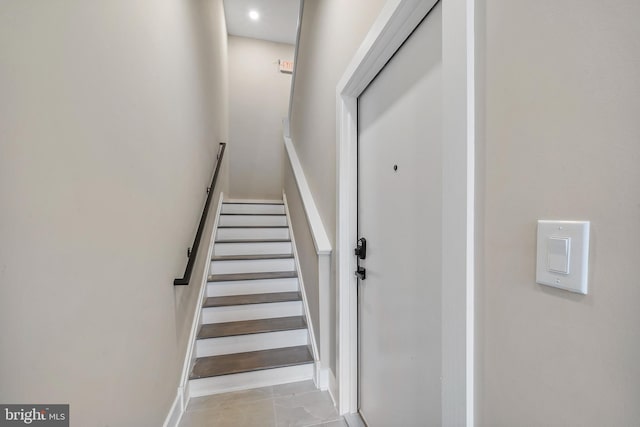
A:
110,116
561,142
211,38
259,101
306,251
331,32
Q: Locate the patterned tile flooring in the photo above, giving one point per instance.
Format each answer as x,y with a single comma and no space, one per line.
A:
289,405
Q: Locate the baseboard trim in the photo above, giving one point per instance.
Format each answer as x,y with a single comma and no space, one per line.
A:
332,387
354,420
175,412
319,377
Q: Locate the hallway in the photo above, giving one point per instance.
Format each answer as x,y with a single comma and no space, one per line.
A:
111,117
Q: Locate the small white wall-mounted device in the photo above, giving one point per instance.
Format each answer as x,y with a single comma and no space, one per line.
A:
563,255
286,66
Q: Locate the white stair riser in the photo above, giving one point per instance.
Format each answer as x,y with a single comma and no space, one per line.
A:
252,342
253,201
250,287
252,208
236,313
226,220
251,266
220,249
252,233
249,380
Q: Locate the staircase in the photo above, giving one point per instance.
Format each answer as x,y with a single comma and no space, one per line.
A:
254,331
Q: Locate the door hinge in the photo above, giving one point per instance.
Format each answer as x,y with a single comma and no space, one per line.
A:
361,273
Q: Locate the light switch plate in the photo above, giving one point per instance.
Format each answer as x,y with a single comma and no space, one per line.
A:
563,255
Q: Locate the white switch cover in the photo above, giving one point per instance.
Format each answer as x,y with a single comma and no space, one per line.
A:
563,255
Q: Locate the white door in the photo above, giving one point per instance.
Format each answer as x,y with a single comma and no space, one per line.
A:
400,215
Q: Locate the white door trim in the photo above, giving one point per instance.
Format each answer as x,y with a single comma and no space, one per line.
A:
395,23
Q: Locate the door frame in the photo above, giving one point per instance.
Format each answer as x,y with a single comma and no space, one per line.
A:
395,23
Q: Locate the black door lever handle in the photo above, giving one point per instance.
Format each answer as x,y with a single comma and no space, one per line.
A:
361,273
361,248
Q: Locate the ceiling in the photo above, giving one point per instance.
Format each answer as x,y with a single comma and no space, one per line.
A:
278,20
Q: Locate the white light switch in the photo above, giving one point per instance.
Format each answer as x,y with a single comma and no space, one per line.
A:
563,255
558,249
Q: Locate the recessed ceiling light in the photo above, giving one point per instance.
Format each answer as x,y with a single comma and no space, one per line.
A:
254,15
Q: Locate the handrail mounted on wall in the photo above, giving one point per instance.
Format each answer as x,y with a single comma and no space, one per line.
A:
203,219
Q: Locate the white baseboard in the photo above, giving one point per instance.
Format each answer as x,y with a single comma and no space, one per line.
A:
175,413
326,381
354,420
321,377
333,387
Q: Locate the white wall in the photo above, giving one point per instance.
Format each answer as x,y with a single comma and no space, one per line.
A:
110,118
562,98
259,101
331,32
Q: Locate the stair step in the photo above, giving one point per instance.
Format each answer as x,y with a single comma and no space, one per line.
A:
238,313
253,208
251,276
253,226
247,327
253,248
254,241
230,220
252,299
252,233
250,214
253,202
248,287
251,361
254,342
250,257
252,266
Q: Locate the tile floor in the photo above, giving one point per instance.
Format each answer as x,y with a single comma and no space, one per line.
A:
289,405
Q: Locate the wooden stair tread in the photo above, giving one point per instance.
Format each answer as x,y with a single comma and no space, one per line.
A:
248,327
251,276
254,241
253,226
252,299
252,213
250,257
226,364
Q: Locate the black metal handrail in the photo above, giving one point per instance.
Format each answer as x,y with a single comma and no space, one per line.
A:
193,253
